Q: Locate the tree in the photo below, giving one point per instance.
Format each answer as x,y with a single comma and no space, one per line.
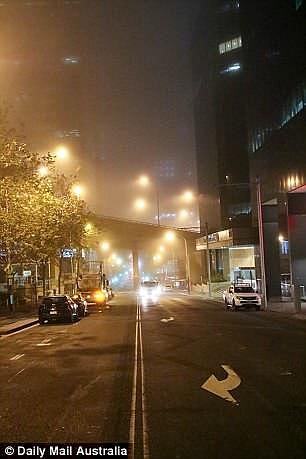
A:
39,214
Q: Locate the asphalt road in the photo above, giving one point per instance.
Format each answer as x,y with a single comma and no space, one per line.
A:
141,372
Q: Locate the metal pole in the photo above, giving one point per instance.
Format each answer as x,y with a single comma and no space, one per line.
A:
208,261
187,265
261,245
158,205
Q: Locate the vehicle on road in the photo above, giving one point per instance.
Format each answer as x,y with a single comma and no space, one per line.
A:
95,297
81,303
57,308
150,290
241,295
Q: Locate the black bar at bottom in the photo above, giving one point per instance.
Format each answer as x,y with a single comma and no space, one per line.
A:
63,450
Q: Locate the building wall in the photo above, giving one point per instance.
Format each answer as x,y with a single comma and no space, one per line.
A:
242,257
220,121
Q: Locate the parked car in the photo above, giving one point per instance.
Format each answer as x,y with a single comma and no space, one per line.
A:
57,308
241,295
81,304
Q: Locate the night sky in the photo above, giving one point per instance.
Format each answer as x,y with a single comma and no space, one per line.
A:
139,95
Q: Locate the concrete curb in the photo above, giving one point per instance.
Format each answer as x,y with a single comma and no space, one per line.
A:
9,329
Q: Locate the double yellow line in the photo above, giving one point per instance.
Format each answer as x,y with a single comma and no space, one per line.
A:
138,392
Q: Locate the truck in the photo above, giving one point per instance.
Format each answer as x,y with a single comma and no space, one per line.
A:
91,287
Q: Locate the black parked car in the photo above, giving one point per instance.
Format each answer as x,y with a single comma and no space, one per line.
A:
81,304
57,308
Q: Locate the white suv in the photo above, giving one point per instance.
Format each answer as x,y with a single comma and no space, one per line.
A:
241,295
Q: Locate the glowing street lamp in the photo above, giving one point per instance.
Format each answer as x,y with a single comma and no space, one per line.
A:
144,180
88,228
61,152
188,196
105,246
170,236
183,214
77,190
43,171
119,261
140,204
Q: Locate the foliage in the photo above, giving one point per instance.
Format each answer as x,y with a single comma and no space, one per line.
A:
39,215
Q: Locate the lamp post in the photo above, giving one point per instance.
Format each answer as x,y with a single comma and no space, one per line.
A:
105,246
170,237
261,245
208,261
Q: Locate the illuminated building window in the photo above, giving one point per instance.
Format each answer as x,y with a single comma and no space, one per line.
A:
68,60
295,103
232,68
72,133
284,247
230,45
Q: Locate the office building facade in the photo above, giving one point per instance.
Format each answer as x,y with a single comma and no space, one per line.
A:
249,81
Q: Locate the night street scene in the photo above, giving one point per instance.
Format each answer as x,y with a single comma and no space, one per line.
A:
153,229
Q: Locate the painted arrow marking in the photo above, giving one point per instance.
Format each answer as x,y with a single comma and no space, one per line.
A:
167,320
45,342
17,357
222,388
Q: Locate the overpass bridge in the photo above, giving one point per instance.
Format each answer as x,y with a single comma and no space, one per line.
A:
138,236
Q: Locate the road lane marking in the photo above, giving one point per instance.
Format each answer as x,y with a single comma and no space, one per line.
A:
145,433
19,331
222,388
134,389
18,373
138,361
170,319
45,342
17,357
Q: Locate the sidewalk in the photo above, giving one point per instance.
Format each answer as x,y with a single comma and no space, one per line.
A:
15,322
280,305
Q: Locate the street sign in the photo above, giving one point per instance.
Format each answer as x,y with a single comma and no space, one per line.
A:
8,269
27,273
222,388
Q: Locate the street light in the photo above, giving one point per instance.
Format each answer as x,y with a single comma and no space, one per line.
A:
61,152
188,196
43,171
140,204
183,214
144,180
77,190
105,246
170,236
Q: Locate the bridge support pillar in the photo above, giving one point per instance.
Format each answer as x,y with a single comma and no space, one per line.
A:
135,268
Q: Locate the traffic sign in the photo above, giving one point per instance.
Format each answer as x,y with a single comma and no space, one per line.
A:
8,269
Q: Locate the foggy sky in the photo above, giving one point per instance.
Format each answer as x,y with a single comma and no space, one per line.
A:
130,95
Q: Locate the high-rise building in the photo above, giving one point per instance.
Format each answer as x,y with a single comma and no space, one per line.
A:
220,118
249,80
276,89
